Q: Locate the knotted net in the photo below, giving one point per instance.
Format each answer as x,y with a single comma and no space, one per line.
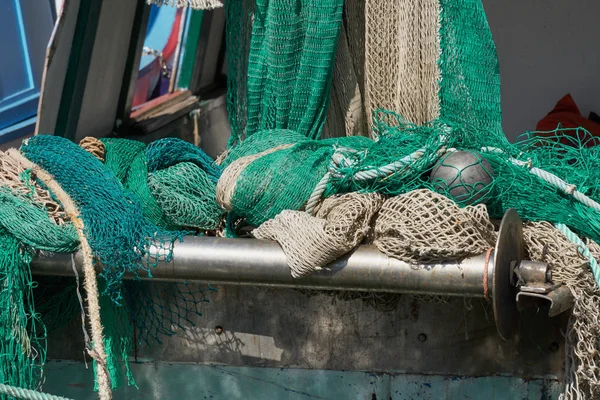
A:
428,86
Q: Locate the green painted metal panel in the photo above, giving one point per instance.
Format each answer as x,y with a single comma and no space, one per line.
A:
192,36
193,381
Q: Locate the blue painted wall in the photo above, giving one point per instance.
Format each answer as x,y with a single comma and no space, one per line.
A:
25,27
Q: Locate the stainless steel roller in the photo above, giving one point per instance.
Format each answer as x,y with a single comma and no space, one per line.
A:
263,263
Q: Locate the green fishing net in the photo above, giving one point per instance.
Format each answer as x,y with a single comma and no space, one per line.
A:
25,225
56,301
284,179
22,335
119,202
165,153
117,231
161,309
470,76
118,339
29,223
127,159
173,180
177,180
289,65
182,179
186,194
238,28
280,59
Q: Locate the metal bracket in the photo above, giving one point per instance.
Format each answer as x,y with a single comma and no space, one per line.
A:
560,300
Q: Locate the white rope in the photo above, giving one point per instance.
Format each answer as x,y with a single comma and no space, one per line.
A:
315,197
389,169
339,159
26,394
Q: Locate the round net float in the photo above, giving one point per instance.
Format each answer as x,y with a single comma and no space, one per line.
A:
464,176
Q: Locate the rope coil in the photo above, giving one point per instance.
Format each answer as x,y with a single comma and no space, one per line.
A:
26,394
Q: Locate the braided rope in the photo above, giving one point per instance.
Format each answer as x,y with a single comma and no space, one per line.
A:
379,172
583,249
94,146
27,394
565,187
315,196
90,283
391,168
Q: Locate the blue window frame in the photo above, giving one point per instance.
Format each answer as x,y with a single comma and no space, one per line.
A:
25,28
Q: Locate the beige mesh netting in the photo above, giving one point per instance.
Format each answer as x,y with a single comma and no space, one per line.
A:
582,368
94,146
14,175
425,226
310,242
402,47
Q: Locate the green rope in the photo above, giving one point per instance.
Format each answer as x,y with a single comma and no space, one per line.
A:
27,394
582,248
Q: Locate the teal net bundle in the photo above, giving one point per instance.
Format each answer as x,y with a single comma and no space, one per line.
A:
118,207
113,232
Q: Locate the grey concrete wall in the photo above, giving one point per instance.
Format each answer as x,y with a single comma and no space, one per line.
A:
547,48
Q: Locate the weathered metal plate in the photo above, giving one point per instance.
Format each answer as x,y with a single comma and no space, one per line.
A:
286,328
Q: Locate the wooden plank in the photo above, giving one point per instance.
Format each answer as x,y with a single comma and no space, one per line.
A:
55,67
158,104
168,112
107,67
80,58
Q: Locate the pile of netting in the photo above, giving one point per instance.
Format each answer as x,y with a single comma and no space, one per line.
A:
425,194
438,170
356,122
318,198
127,203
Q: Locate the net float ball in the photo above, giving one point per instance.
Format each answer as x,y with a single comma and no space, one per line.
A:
463,176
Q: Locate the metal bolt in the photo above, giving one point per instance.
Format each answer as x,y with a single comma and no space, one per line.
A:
422,337
219,330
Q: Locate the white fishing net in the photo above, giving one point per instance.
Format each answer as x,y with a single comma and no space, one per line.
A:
582,367
310,242
423,226
402,49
